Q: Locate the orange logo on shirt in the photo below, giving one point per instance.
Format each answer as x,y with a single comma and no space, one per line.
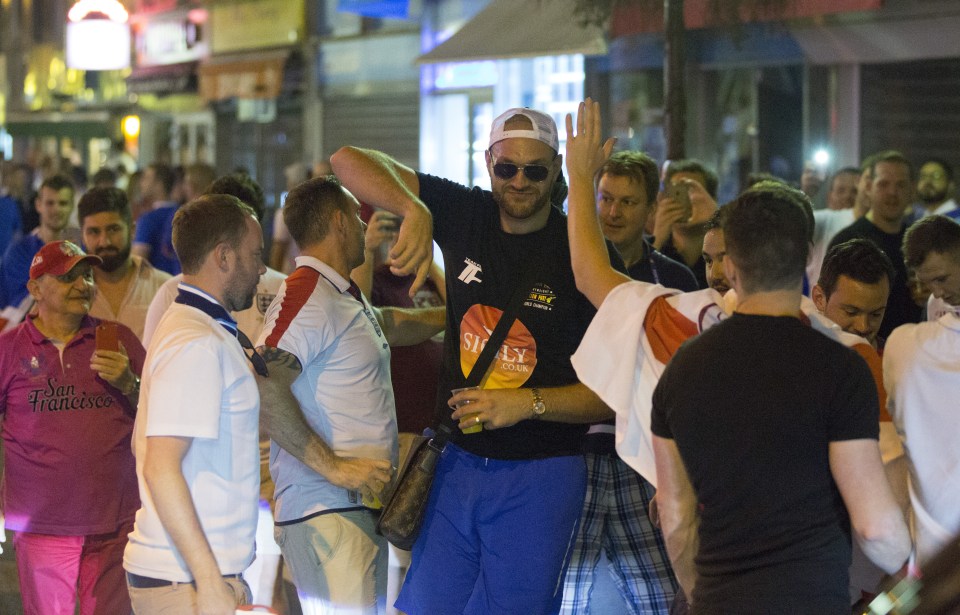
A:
517,357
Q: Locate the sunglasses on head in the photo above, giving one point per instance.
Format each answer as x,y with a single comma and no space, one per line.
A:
534,172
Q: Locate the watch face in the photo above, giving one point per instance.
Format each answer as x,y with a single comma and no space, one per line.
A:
539,407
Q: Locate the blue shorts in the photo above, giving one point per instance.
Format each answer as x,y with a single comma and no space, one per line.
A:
496,537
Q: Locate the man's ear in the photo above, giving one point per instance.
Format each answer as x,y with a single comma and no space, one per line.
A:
33,287
339,221
819,298
221,253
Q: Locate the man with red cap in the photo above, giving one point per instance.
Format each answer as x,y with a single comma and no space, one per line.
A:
67,404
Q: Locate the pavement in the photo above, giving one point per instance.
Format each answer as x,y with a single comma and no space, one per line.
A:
605,598
9,584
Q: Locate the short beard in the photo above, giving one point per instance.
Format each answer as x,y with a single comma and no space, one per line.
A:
113,261
521,214
931,199
239,299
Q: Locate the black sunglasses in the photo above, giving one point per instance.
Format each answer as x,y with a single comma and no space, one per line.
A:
534,172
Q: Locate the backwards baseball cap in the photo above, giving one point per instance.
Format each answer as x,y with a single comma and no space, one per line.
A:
544,129
58,258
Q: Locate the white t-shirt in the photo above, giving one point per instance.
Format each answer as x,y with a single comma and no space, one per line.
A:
249,320
826,224
197,384
344,391
921,370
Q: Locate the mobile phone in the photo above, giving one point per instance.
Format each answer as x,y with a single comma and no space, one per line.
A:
680,192
107,338
392,223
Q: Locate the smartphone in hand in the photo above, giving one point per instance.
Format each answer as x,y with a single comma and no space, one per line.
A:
107,337
392,223
680,193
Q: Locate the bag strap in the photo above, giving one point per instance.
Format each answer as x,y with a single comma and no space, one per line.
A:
442,431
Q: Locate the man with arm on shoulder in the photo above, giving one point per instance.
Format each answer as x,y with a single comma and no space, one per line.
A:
743,549
614,519
329,406
523,471
196,433
625,379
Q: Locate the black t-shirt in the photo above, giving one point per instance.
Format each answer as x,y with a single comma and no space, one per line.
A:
900,306
657,268
699,268
483,264
752,405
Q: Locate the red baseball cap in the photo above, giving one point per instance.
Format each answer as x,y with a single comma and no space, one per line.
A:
58,258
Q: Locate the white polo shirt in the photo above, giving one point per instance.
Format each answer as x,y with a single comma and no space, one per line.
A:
921,370
344,391
197,384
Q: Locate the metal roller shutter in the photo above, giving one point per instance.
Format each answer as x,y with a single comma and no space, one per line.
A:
389,123
913,107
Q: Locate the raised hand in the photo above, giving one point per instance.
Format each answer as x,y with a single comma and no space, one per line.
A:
585,153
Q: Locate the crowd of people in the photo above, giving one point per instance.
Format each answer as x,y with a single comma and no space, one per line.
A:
746,407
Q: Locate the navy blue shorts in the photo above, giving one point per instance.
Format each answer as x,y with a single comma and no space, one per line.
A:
496,537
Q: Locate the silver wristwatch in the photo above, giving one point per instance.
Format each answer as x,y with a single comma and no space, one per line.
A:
538,406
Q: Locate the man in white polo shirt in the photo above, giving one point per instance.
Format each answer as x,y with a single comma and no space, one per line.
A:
329,407
921,373
195,438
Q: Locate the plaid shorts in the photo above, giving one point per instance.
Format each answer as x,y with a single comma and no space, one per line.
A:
615,519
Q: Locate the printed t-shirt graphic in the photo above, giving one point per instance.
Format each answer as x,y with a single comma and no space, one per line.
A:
514,361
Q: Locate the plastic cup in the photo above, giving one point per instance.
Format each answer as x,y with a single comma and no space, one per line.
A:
372,502
477,427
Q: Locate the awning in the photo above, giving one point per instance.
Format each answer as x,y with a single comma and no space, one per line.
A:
520,29
164,79
904,39
638,18
243,75
79,125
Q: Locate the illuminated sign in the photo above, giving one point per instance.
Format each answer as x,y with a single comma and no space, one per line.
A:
98,37
171,38
109,9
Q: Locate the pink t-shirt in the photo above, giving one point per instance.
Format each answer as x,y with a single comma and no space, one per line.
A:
69,469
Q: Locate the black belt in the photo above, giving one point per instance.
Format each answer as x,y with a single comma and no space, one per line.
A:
137,581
